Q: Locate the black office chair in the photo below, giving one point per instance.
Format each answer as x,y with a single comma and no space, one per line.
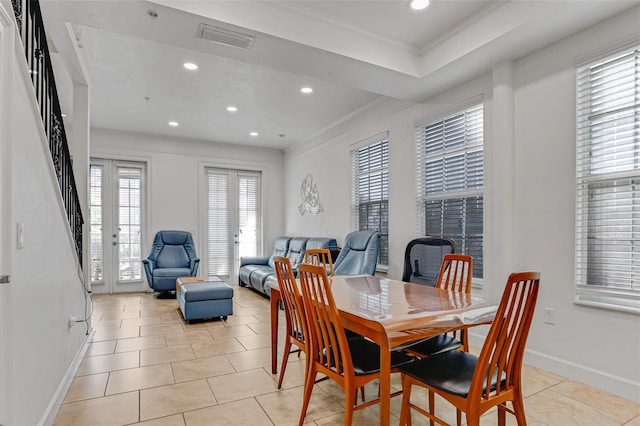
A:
423,257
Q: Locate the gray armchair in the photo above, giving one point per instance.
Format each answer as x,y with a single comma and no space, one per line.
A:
172,256
359,254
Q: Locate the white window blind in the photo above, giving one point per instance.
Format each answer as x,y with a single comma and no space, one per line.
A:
129,222
234,221
95,208
370,192
249,217
608,179
218,244
450,181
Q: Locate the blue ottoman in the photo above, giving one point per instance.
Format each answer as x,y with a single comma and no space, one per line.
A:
205,299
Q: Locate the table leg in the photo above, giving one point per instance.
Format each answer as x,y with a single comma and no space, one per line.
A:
385,383
275,298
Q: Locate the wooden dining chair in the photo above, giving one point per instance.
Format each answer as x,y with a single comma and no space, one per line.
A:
351,363
320,257
456,273
476,384
296,322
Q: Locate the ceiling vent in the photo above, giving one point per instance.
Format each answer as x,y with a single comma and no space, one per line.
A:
223,36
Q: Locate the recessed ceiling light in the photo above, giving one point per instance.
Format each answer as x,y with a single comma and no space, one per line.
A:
173,124
419,4
306,90
190,66
232,108
254,134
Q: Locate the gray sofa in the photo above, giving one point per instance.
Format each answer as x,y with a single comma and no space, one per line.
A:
259,273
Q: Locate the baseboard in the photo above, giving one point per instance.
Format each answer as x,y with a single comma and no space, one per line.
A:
607,382
51,412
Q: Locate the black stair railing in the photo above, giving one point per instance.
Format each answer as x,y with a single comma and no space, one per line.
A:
31,28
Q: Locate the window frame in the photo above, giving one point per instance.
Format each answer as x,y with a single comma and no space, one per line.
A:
604,169
371,142
467,147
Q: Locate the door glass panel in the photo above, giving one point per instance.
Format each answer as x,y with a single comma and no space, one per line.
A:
129,221
248,214
97,258
217,223
233,219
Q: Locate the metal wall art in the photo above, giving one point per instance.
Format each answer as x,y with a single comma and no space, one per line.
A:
310,197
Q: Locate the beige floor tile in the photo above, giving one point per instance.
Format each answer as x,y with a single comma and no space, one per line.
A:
175,420
284,406
150,330
222,332
137,322
188,337
116,333
173,399
139,378
218,347
104,363
239,413
535,380
365,417
107,411
233,387
622,408
261,327
293,374
106,324
111,315
554,408
256,341
241,319
101,348
201,368
87,387
171,317
634,422
249,360
165,355
138,343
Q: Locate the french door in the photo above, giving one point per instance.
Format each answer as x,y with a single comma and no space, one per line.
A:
233,220
117,224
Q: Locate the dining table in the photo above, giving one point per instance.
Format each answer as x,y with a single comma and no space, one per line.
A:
393,314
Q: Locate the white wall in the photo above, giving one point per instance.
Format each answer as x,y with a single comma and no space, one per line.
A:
175,171
595,346
46,286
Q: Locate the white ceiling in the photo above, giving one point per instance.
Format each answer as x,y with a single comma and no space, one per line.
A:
353,53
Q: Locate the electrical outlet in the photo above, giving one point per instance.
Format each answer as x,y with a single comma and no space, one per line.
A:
549,316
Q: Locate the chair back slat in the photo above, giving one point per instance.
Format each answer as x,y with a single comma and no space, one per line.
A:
328,340
456,273
320,257
292,299
503,350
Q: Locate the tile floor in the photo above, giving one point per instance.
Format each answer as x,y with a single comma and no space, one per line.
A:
147,366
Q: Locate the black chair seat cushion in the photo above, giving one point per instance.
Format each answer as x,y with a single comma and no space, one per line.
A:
365,356
435,345
449,371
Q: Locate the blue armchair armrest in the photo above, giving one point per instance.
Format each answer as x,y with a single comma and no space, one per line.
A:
148,269
193,266
254,261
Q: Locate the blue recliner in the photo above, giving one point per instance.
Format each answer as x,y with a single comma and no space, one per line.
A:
359,254
172,256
